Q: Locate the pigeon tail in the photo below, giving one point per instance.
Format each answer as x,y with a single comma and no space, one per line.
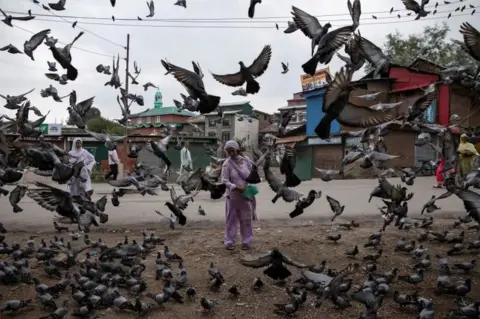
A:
252,87
292,180
182,220
253,178
296,212
209,105
323,128
17,209
310,66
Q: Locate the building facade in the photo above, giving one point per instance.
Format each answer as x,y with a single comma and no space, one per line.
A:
152,121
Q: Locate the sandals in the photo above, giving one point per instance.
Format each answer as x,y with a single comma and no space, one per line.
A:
245,247
230,247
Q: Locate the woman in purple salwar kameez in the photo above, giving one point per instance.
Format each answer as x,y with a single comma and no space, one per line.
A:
238,209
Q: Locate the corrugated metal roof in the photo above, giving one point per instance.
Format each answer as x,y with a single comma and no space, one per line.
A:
234,103
225,112
292,139
166,110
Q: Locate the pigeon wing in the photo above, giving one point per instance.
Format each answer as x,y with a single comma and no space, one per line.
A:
371,52
471,37
411,5
334,204
38,38
260,65
423,102
306,22
359,116
273,181
98,136
48,197
188,78
72,98
355,11
173,194
471,201
126,182
294,263
336,88
101,203
259,262
334,40
234,79
83,107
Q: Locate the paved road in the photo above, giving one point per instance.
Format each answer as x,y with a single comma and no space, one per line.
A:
135,209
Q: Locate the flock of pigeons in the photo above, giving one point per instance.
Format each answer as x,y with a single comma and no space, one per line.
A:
98,281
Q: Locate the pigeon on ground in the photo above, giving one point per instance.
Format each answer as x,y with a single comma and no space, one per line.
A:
11,49
248,74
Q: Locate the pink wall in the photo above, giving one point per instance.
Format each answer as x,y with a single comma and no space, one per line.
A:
443,110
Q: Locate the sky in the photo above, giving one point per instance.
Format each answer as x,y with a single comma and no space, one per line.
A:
216,33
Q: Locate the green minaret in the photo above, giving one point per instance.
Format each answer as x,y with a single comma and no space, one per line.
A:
158,100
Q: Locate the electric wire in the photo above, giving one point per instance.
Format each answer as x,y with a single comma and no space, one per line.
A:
83,29
444,17
74,47
240,19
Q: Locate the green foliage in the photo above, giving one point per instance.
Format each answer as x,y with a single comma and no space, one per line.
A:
91,113
432,44
102,125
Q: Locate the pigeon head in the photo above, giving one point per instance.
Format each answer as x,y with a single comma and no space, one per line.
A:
241,64
327,26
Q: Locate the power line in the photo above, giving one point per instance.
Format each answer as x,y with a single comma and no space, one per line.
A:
401,20
74,47
85,30
250,22
224,18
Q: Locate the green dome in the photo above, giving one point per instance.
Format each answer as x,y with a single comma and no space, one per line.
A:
158,99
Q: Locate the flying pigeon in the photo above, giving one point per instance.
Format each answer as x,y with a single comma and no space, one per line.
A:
181,3
248,74
8,18
151,7
310,26
32,44
52,66
413,5
251,8
59,6
240,91
11,49
292,27
285,68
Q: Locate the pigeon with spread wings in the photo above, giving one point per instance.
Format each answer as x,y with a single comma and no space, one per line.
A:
32,44
106,138
337,107
471,39
248,74
281,191
64,58
421,104
178,204
310,26
78,111
419,9
374,55
275,260
8,18
471,201
193,83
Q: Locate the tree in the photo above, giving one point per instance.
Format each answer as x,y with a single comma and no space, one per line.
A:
432,44
102,125
91,113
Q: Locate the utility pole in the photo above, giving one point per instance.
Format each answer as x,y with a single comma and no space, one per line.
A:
125,140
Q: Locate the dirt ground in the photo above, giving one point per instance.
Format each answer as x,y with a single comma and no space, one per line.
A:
305,242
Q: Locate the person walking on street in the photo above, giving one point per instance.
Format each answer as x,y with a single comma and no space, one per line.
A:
81,186
185,162
113,163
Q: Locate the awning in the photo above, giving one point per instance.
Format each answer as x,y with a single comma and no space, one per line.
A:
291,139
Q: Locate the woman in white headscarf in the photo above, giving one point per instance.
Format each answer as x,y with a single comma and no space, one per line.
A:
79,186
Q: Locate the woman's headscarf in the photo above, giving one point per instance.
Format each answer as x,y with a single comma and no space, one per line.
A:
74,144
466,146
232,144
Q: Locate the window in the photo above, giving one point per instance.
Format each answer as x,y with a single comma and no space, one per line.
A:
212,122
265,117
139,121
226,121
225,136
157,120
212,134
148,120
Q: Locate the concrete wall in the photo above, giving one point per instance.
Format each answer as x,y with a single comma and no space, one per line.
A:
247,130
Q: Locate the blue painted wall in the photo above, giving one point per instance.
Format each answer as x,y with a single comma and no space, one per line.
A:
315,113
430,113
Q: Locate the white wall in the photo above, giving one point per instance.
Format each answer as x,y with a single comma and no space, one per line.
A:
248,130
